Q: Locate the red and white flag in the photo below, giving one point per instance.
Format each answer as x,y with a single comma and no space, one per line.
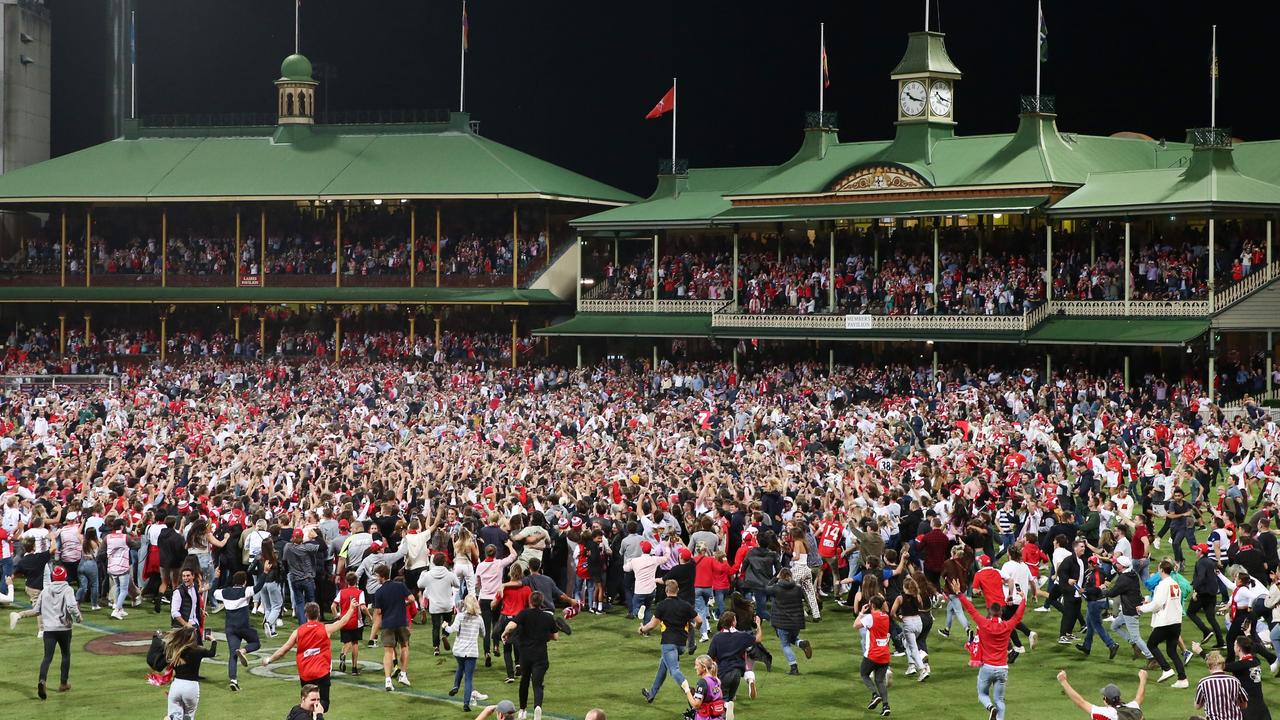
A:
664,106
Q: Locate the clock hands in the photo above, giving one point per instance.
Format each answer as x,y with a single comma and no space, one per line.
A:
913,98
941,99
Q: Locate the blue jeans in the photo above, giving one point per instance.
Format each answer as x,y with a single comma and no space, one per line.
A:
668,665
121,590
1180,535
466,669
302,591
6,571
1126,626
788,638
88,581
956,611
761,599
1093,625
701,598
645,599
991,682
274,602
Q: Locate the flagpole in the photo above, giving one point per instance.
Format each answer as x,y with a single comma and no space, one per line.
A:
462,75
1213,81
297,26
133,64
673,125
926,15
822,52
1039,40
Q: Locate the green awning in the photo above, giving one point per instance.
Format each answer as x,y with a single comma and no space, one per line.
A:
1117,331
290,295
630,325
898,208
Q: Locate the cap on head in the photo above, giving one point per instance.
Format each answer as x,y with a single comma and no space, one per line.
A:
297,534
344,524
646,547
685,554
984,561
58,574
1111,694
505,706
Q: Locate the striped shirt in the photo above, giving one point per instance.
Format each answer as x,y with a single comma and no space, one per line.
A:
468,628
1221,696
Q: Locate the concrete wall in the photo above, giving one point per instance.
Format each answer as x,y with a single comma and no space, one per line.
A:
26,86
562,277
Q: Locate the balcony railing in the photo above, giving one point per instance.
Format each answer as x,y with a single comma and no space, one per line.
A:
819,322
1132,308
1247,284
691,307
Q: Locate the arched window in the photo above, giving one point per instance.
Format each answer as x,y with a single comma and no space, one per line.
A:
288,105
302,103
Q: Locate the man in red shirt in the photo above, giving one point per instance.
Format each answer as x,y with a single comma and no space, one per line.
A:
353,631
830,545
989,582
935,546
873,621
314,657
993,645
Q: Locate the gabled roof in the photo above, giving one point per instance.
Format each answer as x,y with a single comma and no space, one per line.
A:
1211,181
426,160
690,200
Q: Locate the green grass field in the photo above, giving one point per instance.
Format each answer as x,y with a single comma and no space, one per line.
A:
603,664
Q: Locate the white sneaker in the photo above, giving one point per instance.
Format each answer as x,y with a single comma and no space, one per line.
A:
704,638
96,607
1179,685
923,674
1031,639
13,620
403,678
40,634
1041,609
537,712
1156,542
521,715
478,697
1166,675
386,685
911,670
1275,667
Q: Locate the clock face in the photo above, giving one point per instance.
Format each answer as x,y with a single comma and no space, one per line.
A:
940,98
912,98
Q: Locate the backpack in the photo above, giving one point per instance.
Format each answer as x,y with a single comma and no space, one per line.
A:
155,654
1128,712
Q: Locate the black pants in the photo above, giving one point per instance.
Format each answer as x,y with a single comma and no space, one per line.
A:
1244,623
1007,613
438,621
1070,612
1167,634
926,624
486,612
322,684
236,635
729,681
509,649
1205,602
532,672
62,639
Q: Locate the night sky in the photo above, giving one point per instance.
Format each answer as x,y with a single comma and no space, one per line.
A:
570,81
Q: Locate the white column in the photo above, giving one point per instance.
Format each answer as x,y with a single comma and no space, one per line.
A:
831,361
735,272
1212,281
1126,371
1270,350
934,379
935,268
1212,368
1048,365
578,289
831,276
1128,270
655,270
1268,242
1048,262
579,355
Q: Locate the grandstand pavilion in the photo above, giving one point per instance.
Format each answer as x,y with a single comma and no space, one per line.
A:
1034,193
327,183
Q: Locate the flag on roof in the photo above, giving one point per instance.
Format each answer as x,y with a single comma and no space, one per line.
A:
664,106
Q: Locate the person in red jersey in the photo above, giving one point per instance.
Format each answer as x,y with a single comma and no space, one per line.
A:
352,633
314,657
993,644
873,624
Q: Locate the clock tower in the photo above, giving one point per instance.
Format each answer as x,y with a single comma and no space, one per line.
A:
926,80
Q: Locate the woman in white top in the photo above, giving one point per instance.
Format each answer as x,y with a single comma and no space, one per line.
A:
488,579
465,557
1165,607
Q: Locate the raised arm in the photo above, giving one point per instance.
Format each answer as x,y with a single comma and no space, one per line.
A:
1071,692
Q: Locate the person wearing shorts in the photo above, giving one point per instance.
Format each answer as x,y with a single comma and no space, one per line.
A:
390,612
351,634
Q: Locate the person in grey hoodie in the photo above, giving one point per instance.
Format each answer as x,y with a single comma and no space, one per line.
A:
58,611
438,584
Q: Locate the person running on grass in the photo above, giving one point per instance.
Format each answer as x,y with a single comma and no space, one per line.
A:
535,628
57,610
314,656
674,615
1165,607
729,649
467,626
1112,707
352,634
788,617
184,654
993,642
873,625
390,612
236,601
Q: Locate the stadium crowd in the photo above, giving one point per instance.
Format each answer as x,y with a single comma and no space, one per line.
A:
687,495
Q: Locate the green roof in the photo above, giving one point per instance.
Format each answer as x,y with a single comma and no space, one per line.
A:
429,160
1211,181
631,325
326,295
689,200
1117,331
296,68
926,53
897,208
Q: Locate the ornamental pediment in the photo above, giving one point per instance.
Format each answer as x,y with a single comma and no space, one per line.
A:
878,177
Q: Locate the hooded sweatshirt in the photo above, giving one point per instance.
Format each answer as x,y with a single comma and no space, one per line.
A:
57,606
438,583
